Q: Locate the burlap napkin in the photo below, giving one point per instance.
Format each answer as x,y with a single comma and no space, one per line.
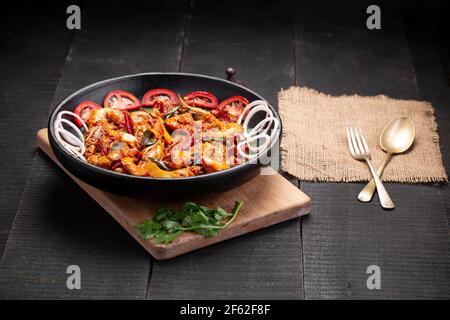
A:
314,144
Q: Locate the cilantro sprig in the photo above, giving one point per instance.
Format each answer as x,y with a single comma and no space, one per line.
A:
167,224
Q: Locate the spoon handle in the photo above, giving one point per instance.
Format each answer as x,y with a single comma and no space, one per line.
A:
385,200
366,194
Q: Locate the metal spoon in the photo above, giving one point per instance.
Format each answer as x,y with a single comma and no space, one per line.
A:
396,137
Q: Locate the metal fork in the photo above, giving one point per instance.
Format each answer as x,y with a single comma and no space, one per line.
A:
360,151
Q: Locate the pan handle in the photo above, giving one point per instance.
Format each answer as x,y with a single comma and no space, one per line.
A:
231,76
229,72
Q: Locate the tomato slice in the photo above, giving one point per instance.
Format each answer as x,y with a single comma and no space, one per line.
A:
122,100
84,110
232,107
163,95
201,99
220,114
163,99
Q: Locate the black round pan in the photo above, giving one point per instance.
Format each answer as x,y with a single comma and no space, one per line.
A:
138,84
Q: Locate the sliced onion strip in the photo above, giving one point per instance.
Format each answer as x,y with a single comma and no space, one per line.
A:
256,150
259,131
73,143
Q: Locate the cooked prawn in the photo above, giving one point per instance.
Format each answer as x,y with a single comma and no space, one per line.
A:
187,141
108,115
214,157
151,169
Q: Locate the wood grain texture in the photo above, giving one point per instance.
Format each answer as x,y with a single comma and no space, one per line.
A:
257,41
44,239
32,54
268,199
58,225
337,54
108,45
430,75
260,265
409,244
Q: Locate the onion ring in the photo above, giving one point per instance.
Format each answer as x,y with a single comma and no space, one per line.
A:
74,144
259,131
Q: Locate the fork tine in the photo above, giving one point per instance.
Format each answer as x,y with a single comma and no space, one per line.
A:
358,139
349,140
355,144
363,141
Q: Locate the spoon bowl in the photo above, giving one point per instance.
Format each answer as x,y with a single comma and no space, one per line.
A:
397,136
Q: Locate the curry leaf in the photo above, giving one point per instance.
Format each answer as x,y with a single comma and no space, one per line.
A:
171,112
160,163
148,138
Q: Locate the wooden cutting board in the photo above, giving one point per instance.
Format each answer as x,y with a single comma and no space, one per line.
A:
268,199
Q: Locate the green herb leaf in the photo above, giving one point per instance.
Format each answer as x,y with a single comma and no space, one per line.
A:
148,229
222,212
162,237
162,213
148,138
199,217
207,232
160,163
170,225
171,112
166,224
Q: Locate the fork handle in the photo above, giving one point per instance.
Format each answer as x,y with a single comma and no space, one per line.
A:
366,194
385,200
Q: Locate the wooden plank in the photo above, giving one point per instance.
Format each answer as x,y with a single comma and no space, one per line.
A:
431,76
268,199
58,225
437,24
124,37
258,42
32,55
337,54
53,226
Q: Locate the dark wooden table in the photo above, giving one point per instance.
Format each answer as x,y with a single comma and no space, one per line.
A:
48,223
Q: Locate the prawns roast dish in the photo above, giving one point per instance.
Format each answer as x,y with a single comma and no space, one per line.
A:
161,132
160,135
